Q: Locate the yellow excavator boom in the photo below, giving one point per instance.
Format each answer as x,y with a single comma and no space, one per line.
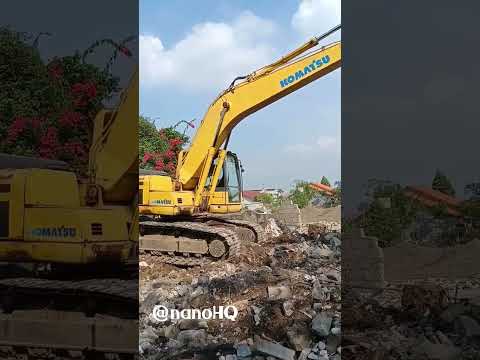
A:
258,90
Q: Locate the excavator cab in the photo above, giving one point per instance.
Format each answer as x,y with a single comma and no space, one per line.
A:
228,192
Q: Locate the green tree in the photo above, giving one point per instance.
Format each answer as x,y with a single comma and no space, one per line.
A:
325,181
148,138
387,222
267,199
471,208
302,194
442,183
337,195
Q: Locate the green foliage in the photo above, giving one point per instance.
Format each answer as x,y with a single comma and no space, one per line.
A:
148,138
439,210
337,196
387,222
471,208
269,200
442,183
47,108
158,149
325,181
302,194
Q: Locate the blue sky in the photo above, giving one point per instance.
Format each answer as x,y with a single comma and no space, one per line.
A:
190,51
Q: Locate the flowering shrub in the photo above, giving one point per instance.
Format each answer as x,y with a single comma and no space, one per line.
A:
159,148
47,108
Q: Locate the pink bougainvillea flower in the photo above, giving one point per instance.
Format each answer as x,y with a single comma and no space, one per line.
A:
17,126
169,154
147,157
159,165
90,90
83,92
70,119
49,143
171,167
55,72
35,123
75,148
175,142
125,51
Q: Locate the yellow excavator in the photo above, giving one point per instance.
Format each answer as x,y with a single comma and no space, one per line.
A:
50,215
186,220
52,220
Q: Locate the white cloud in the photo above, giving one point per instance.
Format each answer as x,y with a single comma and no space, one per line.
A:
298,148
327,143
210,56
314,17
323,144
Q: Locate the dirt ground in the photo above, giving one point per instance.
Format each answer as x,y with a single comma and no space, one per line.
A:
303,264
406,262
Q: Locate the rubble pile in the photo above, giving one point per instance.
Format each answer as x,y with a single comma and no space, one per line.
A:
438,320
287,291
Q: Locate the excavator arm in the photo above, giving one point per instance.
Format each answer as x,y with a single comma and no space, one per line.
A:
258,90
113,163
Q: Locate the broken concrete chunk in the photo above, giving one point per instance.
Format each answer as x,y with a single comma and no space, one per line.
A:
467,326
336,330
442,338
299,341
303,355
318,252
272,228
278,292
170,331
193,338
256,314
189,324
335,242
288,307
333,341
334,275
243,350
452,312
317,291
321,324
438,351
273,349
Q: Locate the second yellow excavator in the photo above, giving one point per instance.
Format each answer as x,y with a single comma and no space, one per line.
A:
186,219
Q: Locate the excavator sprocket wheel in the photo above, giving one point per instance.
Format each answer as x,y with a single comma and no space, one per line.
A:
217,248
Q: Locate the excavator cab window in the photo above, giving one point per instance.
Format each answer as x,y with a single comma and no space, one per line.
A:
221,178
230,178
232,170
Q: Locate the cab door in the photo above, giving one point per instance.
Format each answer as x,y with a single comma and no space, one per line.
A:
234,183
227,196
